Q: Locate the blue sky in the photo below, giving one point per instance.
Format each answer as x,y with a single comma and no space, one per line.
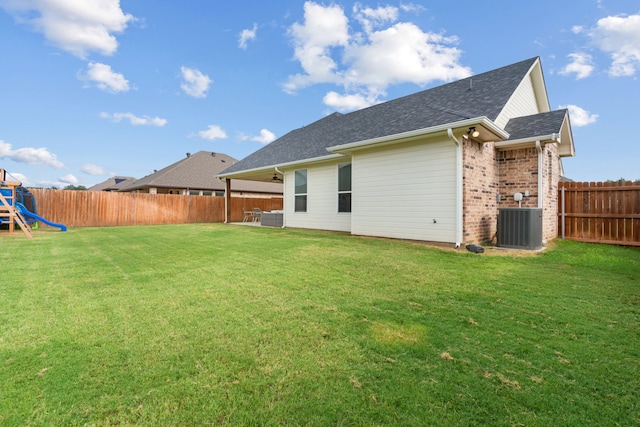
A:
125,87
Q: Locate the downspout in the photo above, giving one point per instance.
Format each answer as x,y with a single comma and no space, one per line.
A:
540,191
284,199
563,214
459,188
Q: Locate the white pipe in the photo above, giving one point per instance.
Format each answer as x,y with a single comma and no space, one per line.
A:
459,188
563,214
540,191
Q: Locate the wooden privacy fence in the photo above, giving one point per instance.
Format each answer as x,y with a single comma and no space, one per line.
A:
101,209
600,212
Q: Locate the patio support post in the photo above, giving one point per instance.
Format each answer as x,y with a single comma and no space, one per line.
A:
227,200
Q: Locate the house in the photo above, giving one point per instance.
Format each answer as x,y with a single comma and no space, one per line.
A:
196,175
432,166
112,184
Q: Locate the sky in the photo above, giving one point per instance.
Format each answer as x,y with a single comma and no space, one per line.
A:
98,88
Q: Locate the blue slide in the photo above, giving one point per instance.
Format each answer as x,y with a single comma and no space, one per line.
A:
25,212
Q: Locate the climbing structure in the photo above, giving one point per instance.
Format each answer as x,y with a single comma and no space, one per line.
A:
9,213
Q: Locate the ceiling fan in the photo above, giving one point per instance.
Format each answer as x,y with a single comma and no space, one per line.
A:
276,178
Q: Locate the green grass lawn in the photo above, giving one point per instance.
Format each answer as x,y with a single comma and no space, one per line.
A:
210,324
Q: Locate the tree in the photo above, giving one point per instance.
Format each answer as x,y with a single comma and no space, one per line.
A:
75,187
622,181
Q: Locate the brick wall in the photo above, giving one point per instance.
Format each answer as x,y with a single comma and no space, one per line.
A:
488,172
480,186
551,178
518,172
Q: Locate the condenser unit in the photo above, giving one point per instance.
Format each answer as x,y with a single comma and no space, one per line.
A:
520,228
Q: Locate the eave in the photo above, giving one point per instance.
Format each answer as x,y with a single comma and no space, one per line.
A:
489,131
564,140
265,173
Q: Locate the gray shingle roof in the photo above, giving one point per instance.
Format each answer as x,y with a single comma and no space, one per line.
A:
112,184
198,171
481,95
536,125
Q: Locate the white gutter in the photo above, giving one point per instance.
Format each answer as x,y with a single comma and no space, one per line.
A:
401,137
281,165
540,192
553,137
459,188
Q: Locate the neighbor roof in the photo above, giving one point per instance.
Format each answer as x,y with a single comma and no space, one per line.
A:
113,184
198,171
482,95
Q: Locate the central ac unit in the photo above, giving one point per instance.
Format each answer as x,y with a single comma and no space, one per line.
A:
520,228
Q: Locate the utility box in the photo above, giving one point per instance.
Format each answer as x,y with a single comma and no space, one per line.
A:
272,219
520,228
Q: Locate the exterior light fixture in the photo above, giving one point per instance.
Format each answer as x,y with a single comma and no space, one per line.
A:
471,133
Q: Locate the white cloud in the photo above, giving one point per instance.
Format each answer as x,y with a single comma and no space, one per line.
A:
346,103
212,132
266,136
29,155
52,184
577,29
194,82
581,65
411,7
404,53
134,120
369,61
370,18
78,27
324,28
15,176
69,179
579,117
620,37
105,78
246,36
90,169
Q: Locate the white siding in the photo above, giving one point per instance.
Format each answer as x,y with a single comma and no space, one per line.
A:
406,192
322,199
522,103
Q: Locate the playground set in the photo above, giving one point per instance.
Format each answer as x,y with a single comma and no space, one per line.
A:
18,206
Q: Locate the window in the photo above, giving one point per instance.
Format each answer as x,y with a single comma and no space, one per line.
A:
301,190
344,187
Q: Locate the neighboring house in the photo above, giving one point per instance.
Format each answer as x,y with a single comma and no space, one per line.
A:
196,175
433,166
112,184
